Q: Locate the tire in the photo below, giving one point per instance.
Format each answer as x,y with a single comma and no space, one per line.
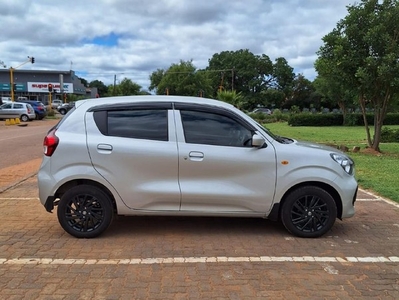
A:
62,111
309,212
85,211
37,117
24,118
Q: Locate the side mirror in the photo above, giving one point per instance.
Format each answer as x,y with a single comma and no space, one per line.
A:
257,141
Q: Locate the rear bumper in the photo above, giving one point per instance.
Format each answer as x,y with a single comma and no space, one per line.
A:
49,204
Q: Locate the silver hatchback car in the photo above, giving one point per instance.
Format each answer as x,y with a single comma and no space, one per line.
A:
12,110
186,156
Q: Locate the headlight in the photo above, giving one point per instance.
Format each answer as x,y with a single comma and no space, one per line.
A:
346,163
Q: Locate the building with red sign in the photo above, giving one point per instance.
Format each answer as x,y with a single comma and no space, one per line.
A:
33,84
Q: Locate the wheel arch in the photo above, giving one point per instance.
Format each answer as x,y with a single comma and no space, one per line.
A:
276,210
76,182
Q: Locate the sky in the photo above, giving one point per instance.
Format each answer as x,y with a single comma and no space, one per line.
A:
107,39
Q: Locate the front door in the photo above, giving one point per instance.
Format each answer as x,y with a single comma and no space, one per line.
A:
219,170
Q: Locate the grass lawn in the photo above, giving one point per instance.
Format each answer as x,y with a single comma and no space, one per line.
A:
376,172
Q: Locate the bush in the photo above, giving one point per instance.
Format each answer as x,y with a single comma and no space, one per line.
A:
51,113
327,119
389,135
315,120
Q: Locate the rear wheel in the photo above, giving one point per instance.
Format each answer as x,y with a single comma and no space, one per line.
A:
309,212
24,118
85,211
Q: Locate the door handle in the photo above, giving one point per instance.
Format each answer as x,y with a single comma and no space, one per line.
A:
196,155
104,147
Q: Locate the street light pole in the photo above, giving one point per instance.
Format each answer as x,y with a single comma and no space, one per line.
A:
12,83
31,60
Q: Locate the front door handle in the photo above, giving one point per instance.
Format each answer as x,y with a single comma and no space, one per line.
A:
196,156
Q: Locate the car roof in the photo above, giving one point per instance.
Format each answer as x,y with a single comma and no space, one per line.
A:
151,98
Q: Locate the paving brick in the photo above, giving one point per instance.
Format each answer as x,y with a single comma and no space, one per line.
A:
214,256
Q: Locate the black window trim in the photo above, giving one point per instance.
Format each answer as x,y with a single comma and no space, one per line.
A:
216,110
130,106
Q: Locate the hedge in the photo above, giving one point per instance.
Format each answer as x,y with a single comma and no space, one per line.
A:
389,135
354,119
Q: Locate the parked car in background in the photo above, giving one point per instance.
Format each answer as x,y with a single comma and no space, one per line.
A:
262,110
5,100
23,111
64,108
55,103
187,156
39,108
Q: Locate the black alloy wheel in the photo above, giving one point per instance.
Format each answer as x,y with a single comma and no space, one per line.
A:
85,211
309,212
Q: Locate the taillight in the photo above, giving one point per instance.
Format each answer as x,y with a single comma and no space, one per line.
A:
50,143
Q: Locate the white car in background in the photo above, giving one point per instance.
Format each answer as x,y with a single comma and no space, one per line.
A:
55,103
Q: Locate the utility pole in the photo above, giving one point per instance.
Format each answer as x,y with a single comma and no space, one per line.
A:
114,84
31,60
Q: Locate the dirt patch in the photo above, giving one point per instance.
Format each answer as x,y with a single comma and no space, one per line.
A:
371,151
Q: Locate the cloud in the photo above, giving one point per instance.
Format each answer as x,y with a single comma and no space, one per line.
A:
136,37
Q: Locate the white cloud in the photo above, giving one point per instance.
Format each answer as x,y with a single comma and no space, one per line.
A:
155,34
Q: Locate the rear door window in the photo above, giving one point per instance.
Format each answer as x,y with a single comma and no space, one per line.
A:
137,123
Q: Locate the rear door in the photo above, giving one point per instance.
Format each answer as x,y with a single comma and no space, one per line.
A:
134,148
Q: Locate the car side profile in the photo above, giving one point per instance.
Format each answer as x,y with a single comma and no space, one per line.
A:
187,156
23,111
55,103
263,110
65,107
38,107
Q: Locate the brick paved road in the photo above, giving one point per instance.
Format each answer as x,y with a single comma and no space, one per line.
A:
196,258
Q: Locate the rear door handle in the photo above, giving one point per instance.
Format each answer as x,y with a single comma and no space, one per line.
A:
104,148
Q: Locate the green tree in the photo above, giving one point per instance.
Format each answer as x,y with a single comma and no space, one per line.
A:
128,88
301,95
231,97
272,98
242,71
364,50
101,87
181,79
334,92
83,81
125,88
283,77
155,79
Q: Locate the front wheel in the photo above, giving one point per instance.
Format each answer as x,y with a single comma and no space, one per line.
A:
62,111
85,211
309,212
